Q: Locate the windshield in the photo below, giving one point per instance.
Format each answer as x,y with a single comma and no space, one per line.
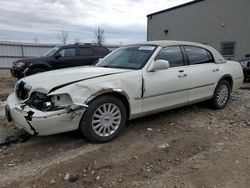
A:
130,57
51,52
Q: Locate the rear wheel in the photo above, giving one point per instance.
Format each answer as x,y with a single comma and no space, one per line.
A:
221,94
104,119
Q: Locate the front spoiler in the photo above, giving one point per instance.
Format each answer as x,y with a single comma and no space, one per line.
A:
44,123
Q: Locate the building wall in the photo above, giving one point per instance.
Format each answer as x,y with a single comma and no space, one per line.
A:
208,21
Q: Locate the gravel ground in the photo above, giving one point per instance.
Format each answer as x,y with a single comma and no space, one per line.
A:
189,147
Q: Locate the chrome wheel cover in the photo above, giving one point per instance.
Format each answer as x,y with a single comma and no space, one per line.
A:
106,119
222,94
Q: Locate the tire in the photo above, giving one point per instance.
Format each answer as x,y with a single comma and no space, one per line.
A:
98,125
221,94
37,70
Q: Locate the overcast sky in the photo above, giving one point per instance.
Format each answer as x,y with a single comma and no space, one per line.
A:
123,21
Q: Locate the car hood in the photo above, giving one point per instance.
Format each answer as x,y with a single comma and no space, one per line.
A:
52,80
32,59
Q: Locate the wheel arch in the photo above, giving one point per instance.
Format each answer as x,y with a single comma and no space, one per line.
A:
119,93
228,78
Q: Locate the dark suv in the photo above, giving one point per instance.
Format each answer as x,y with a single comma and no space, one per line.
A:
59,57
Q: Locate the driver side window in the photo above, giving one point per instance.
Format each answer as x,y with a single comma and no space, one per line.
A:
67,52
173,55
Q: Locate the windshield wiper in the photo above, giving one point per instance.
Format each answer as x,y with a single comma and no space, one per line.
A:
106,66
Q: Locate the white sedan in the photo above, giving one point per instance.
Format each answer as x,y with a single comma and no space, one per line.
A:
131,82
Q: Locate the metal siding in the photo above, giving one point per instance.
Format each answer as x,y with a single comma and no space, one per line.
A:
6,62
12,51
8,50
30,51
202,22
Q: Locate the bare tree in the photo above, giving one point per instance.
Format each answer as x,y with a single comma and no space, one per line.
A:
63,37
77,40
99,36
36,40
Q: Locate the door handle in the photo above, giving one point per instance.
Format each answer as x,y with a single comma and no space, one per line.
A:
216,70
182,76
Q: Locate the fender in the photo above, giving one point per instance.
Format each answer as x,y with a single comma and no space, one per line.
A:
121,94
43,65
106,91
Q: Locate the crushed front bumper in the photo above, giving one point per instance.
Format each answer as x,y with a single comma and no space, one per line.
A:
41,123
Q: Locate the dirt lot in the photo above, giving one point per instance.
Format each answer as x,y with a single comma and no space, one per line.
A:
194,146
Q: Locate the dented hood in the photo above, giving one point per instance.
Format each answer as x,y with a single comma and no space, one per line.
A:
51,80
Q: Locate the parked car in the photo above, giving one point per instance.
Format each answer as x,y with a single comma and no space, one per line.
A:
131,82
246,68
59,57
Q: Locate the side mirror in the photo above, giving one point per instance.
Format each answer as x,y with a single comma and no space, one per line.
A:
159,64
58,56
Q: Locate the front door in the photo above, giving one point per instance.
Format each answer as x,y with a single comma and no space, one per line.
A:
166,88
65,58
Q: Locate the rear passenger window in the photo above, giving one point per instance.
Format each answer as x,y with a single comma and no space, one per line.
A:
173,55
85,52
197,55
100,51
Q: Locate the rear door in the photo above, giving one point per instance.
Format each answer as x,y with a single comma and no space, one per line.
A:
202,73
85,56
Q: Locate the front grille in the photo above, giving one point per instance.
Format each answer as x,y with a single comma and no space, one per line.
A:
22,90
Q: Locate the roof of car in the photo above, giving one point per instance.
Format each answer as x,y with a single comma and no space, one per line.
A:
81,44
164,43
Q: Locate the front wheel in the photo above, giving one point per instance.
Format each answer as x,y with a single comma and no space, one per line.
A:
104,119
221,94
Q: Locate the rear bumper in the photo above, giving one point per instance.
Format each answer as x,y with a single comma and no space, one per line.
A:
238,82
41,123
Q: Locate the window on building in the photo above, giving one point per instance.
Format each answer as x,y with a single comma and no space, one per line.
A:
68,52
228,48
173,55
85,52
197,55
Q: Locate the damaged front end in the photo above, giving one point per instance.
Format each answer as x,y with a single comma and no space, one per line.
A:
42,114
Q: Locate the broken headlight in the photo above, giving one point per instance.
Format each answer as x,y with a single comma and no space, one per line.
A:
43,102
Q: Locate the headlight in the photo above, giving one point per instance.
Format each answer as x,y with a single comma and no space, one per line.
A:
61,100
43,102
21,64
244,64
